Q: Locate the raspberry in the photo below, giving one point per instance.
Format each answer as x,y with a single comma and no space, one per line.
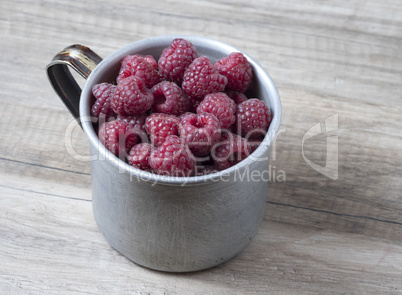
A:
175,59
167,112
159,126
237,69
184,114
138,124
151,60
139,156
201,78
131,97
118,137
237,97
103,93
252,118
231,150
173,158
137,121
139,66
200,132
221,106
169,99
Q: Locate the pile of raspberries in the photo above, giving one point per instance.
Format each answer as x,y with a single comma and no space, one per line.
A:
181,115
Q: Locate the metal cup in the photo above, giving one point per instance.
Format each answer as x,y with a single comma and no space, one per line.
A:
167,223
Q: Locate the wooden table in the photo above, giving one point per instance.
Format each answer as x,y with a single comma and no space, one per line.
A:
336,64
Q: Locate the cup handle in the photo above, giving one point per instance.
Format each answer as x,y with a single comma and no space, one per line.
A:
80,58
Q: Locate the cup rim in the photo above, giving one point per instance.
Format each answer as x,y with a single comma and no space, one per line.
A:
117,56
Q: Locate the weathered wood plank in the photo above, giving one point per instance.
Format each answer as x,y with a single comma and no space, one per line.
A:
281,258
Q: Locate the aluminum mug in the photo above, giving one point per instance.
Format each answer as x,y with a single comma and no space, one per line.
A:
175,224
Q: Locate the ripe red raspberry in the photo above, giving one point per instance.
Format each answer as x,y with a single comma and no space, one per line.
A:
175,59
221,106
151,60
138,124
131,97
169,99
231,150
201,78
184,114
237,69
118,137
159,126
173,158
103,93
252,118
139,66
137,121
139,156
237,97
200,132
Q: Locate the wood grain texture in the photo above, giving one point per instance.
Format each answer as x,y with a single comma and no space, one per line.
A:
319,235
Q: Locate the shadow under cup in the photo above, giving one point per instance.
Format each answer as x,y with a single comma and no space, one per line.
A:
178,224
